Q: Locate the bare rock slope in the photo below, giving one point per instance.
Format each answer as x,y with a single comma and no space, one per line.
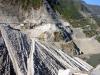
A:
34,58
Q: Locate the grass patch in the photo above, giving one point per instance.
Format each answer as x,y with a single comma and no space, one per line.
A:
26,4
98,20
66,8
94,60
90,33
90,30
36,3
98,38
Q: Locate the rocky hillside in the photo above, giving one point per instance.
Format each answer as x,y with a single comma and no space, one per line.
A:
78,14
36,36
29,56
95,10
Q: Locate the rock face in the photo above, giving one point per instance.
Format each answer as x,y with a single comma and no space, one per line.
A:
22,57
4,59
17,47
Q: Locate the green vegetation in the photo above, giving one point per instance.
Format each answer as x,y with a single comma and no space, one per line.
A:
90,30
98,38
82,22
26,4
90,33
97,20
69,10
93,60
36,3
66,8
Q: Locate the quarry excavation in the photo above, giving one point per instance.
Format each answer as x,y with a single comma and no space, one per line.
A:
49,37
36,57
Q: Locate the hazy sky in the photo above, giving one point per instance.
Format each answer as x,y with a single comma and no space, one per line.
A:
94,2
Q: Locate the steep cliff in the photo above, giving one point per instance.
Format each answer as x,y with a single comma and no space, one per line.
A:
35,57
36,36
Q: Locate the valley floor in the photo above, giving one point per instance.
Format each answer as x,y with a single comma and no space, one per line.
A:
89,46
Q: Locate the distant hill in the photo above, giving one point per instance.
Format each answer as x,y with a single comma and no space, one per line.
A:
95,10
